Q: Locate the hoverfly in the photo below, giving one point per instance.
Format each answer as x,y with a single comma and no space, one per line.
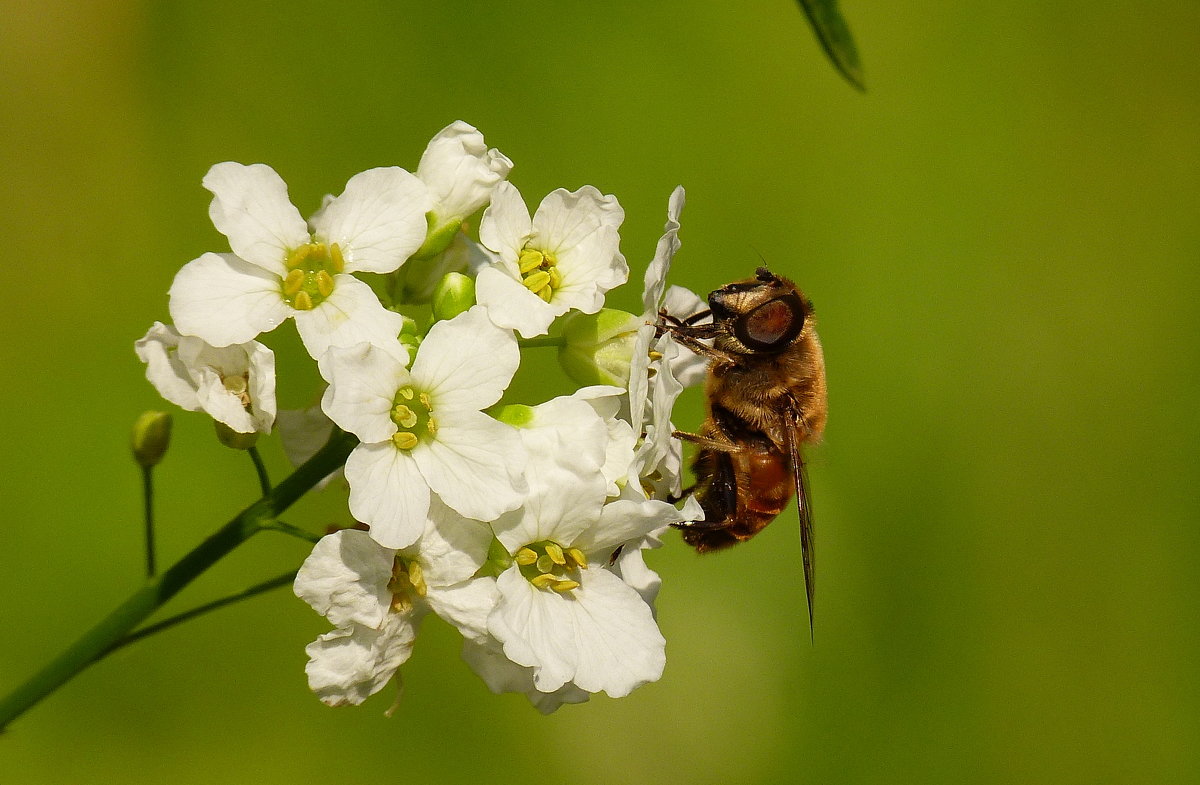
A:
766,397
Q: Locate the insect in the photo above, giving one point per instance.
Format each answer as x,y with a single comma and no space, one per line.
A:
766,398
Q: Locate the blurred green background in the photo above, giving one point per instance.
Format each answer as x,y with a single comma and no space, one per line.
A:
1002,241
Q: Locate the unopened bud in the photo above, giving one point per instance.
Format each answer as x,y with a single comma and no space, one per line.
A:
599,346
234,440
151,438
454,294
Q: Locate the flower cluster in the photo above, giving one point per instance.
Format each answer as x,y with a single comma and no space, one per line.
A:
523,525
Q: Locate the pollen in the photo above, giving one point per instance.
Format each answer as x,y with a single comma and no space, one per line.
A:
547,565
310,277
412,413
539,272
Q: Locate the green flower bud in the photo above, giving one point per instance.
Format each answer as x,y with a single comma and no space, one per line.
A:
151,438
437,238
234,440
517,415
599,346
454,294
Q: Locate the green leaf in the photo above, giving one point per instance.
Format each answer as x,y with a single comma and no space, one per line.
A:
835,38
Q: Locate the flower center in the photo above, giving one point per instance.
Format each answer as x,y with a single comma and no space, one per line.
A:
310,271
407,583
239,387
539,272
546,565
412,412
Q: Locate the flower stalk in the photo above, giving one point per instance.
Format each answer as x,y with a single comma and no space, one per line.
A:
113,629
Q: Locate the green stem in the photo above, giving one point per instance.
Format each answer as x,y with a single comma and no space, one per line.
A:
101,639
148,514
281,580
294,531
540,341
264,482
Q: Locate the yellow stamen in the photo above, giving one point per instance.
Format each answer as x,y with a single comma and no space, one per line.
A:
577,557
555,552
406,393
546,294
292,282
337,261
404,440
538,281
555,278
324,283
543,581
303,302
526,557
297,257
565,586
404,416
530,260
431,427
417,578
426,401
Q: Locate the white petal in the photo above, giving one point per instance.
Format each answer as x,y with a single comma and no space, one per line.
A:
509,304
655,279
502,675
379,220
466,362
250,206
452,549
211,366
600,636
506,226
466,605
350,315
623,521
631,568
362,390
566,219
225,300
461,171
387,493
158,349
475,464
688,367
345,579
590,269
639,382
566,488
348,665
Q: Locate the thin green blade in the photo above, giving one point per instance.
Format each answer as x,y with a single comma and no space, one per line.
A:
835,38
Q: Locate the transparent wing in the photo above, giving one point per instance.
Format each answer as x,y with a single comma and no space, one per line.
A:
795,430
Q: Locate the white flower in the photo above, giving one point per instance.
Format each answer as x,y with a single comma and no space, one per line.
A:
281,269
233,384
461,173
656,366
567,256
561,612
376,597
422,431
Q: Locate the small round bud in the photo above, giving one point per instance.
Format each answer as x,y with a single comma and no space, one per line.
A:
454,294
232,439
599,346
151,438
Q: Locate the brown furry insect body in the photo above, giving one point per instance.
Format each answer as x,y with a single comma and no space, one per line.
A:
766,398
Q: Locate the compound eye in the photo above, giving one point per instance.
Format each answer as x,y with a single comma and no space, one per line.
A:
772,325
